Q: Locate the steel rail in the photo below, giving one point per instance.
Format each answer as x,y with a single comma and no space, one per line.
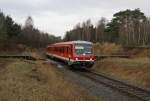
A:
130,90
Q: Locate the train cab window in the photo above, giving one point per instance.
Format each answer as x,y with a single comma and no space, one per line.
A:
83,49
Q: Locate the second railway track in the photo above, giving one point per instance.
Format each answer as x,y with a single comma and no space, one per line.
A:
130,90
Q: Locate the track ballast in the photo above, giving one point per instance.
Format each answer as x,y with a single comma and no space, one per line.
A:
130,90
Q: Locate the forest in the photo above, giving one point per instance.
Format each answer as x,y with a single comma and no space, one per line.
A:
13,35
128,28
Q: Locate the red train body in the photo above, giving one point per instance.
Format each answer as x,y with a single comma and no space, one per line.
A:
73,52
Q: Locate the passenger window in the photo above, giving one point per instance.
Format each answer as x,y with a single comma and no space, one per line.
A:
62,50
67,49
70,51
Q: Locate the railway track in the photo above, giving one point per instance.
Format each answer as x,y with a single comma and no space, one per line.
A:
123,87
130,90
120,86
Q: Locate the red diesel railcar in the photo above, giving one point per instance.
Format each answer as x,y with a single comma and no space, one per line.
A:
73,52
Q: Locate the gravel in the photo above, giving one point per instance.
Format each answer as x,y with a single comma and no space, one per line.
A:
98,90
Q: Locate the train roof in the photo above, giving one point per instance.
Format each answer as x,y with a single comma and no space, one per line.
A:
69,42
74,42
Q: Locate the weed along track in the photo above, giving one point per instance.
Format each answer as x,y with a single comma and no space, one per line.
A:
95,79
106,87
129,90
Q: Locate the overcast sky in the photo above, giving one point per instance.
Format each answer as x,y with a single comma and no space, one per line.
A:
58,16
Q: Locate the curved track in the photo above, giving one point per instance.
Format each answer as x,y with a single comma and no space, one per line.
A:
123,87
130,90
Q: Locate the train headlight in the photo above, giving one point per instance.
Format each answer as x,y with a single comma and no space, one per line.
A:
91,59
76,59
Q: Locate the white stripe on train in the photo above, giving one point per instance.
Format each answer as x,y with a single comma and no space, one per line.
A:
66,59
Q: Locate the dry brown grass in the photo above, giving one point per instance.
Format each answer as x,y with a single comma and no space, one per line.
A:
136,70
114,49
23,81
107,48
139,52
63,86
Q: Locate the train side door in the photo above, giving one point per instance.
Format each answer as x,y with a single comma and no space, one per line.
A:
65,51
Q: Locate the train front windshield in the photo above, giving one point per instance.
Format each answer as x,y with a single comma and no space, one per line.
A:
83,49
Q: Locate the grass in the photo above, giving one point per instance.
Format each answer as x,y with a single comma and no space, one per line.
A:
23,81
107,49
27,52
136,71
139,52
63,86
